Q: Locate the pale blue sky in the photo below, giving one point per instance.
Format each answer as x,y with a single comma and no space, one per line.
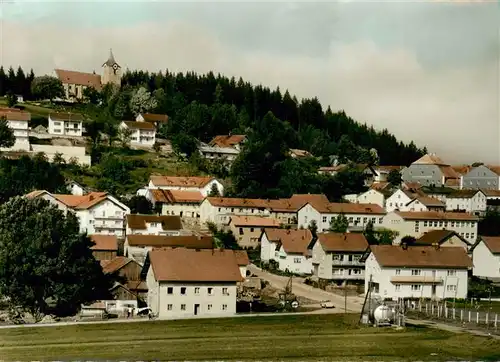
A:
402,65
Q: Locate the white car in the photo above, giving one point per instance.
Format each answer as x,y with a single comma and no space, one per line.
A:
326,304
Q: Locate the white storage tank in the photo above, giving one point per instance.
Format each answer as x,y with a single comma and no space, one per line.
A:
383,315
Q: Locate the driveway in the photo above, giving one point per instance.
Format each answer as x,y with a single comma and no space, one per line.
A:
354,304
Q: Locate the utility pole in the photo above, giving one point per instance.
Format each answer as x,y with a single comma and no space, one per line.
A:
345,298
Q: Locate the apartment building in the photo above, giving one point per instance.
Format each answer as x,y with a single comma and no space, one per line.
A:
471,201
65,124
248,229
186,204
18,121
142,134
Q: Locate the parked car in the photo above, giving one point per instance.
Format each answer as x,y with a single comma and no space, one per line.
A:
326,304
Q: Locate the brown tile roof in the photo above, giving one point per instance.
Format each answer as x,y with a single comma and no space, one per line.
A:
238,202
72,77
168,222
299,153
332,168
493,243
437,237
462,194
152,117
35,194
104,242
293,241
437,215
258,221
452,182
12,115
491,193
241,257
411,185
177,196
180,181
343,242
449,173
495,169
81,202
430,159
348,208
421,257
158,241
462,169
227,140
116,264
140,125
299,200
187,265
429,201
66,116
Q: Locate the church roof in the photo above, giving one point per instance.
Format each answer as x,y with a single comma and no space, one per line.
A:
111,59
80,78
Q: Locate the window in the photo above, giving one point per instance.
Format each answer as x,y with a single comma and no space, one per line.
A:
416,287
57,123
336,257
209,307
241,231
170,290
452,273
425,223
297,260
324,218
183,307
196,290
451,288
380,220
169,306
415,272
472,236
224,291
251,230
224,307
397,287
467,235
398,271
210,291
183,291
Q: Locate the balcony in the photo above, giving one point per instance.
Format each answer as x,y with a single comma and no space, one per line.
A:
108,225
108,217
416,279
348,263
348,277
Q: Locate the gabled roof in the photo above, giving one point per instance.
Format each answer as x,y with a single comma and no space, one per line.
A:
492,243
80,78
104,242
139,125
491,193
421,257
81,202
293,241
343,242
257,221
180,181
177,196
437,237
299,153
66,116
227,140
168,222
428,201
183,241
188,265
152,117
430,159
15,115
436,215
348,208
116,264
241,257
463,194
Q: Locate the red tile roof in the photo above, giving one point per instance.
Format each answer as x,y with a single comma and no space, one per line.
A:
258,221
116,264
81,202
436,215
140,125
16,115
293,241
493,243
348,208
180,181
151,117
227,140
189,241
72,77
177,196
104,242
343,242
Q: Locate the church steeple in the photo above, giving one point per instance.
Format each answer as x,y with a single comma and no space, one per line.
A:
111,70
111,59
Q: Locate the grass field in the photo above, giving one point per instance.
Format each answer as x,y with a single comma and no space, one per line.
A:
301,337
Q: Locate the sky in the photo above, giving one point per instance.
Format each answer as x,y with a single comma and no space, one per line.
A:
426,70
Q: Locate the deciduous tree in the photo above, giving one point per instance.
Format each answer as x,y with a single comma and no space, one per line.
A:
339,224
47,87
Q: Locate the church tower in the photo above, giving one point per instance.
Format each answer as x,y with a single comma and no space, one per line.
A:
111,71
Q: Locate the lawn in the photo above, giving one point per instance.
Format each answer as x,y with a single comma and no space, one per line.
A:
301,337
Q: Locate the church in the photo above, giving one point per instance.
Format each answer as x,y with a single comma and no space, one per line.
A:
75,82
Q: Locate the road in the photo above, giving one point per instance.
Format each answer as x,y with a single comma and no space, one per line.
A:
354,304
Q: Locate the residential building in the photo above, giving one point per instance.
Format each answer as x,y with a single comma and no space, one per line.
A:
154,225
472,201
137,246
184,283
486,257
296,153
247,229
400,198
142,134
18,121
128,272
182,183
481,177
372,196
415,224
75,188
430,170
186,204
337,256
65,124
153,118
223,147
394,272
243,262
98,212
289,248
358,215
105,246
443,238
382,172
424,203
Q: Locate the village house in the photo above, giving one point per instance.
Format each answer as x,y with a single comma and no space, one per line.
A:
137,246
337,257
76,188
74,83
371,196
443,238
486,257
204,185
358,215
127,272
65,124
153,118
382,172
97,212
105,246
186,204
223,147
415,224
142,134
18,121
401,271
296,153
289,248
471,201
481,177
424,203
243,262
400,198
430,170
247,229
186,282
154,225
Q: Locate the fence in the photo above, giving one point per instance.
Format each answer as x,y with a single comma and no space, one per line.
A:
442,311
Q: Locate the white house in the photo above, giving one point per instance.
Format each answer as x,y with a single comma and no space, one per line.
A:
185,282
399,199
358,215
98,212
75,188
472,201
154,225
415,224
201,184
18,121
486,257
337,256
424,203
382,172
153,118
289,248
371,196
223,147
393,271
142,134
186,204
65,124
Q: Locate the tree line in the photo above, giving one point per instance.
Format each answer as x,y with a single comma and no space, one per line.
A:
16,82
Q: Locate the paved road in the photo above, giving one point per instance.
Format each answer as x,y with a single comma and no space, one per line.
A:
354,304
450,328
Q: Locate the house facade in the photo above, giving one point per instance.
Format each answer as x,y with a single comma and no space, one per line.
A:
142,134
370,196
248,229
223,147
481,177
443,238
430,170
18,121
181,183
154,225
424,203
337,257
471,201
65,124
394,272
186,283
486,257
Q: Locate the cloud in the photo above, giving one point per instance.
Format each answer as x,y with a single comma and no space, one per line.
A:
449,105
